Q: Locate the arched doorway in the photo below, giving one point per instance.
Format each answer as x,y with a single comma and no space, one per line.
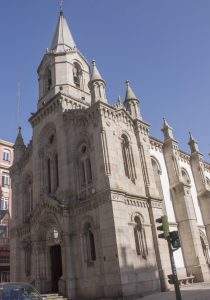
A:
56,266
55,257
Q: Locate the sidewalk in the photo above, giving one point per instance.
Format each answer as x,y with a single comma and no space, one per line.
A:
194,292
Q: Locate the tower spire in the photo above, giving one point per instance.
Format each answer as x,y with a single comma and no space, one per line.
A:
62,40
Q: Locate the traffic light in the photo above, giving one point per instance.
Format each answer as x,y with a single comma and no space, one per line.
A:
171,279
164,227
174,239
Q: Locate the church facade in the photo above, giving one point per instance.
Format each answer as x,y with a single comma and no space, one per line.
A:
88,189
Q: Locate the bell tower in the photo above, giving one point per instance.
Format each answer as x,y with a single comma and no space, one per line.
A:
63,67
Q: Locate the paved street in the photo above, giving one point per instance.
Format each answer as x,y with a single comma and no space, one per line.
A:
195,292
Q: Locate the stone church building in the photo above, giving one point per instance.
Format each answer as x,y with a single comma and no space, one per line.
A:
91,183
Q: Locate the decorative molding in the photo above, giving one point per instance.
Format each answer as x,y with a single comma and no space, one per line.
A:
105,152
156,144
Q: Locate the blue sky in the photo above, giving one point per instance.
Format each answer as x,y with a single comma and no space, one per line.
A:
162,47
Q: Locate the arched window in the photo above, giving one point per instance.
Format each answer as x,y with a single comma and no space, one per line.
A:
185,177
49,175
47,80
30,195
48,159
77,74
85,166
27,197
89,244
56,171
157,173
128,160
140,238
205,247
27,250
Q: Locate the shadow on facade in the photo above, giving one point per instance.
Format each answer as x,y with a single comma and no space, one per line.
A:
139,275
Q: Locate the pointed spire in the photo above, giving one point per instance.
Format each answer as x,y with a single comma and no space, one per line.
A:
131,102
62,40
193,144
19,146
95,73
19,139
97,85
167,130
129,92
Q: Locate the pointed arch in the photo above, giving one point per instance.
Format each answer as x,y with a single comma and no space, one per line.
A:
140,236
47,80
128,160
157,174
77,74
27,196
185,176
205,246
88,241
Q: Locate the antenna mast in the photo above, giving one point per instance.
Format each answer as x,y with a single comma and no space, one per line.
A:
61,2
19,105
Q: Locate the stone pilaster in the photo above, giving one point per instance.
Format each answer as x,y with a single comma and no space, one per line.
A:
155,201
203,189
185,215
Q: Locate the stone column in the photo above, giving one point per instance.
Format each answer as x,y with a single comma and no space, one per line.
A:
68,280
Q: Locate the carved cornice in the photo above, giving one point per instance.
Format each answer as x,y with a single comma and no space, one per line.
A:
142,127
55,104
156,144
81,118
185,157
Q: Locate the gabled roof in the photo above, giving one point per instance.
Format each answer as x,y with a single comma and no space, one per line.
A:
62,40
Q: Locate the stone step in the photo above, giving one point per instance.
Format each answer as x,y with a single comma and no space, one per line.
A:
53,297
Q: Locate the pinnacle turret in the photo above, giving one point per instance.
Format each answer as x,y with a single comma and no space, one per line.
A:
62,40
167,130
19,146
131,102
95,75
129,92
97,85
193,144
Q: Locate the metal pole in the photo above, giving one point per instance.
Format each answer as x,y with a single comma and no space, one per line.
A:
173,267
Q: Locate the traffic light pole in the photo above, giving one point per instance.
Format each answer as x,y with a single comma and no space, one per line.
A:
174,272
